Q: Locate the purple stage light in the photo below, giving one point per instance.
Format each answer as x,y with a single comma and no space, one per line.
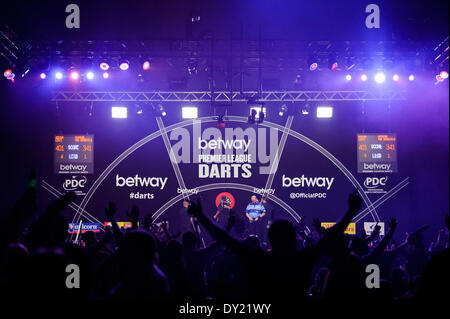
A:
395,77
313,66
104,66
74,75
58,75
146,66
189,112
348,77
411,77
7,72
119,112
89,75
334,66
363,77
379,77
124,65
443,74
105,75
439,78
324,112
43,76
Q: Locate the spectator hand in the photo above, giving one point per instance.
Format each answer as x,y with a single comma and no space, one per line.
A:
195,209
110,211
148,221
392,224
133,216
354,201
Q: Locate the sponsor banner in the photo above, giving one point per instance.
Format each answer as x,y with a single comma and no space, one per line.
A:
226,153
138,181
94,227
305,182
319,186
74,168
375,184
120,224
370,226
351,228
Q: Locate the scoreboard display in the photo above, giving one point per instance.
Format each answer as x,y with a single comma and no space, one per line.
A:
74,154
377,153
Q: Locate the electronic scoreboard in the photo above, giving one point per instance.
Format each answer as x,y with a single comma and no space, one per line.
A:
74,154
377,153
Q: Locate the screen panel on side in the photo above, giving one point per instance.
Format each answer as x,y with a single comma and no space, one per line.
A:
74,154
377,153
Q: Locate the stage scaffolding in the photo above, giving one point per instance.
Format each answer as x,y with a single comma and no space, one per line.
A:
225,96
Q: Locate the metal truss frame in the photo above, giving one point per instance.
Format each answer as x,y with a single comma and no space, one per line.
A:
224,96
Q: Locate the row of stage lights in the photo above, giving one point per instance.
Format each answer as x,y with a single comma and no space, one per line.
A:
256,113
124,65
380,77
76,75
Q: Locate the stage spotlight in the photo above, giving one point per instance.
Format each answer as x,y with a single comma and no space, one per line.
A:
58,75
146,66
380,77
161,110
395,77
324,112
313,66
89,75
220,121
443,74
334,66
305,109
364,78
105,75
439,78
7,72
104,66
189,112
283,110
124,65
411,77
11,77
348,77
43,76
119,112
74,75
139,109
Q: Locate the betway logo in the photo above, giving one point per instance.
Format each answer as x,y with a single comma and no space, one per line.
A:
377,166
71,168
304,181
141,181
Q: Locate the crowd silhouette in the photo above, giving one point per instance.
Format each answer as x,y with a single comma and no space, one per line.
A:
147,262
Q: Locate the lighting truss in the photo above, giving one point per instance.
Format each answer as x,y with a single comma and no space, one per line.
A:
224,96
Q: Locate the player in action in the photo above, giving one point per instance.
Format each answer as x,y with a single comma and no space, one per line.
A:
255,213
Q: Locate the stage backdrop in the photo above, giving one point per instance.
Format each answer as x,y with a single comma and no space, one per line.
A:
305,166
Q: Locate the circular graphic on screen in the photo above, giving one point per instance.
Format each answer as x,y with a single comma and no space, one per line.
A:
225,200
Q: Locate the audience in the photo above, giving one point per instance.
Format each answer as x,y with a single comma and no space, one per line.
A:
147,262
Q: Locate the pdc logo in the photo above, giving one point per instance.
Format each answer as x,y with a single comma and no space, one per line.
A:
374,182
74,183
